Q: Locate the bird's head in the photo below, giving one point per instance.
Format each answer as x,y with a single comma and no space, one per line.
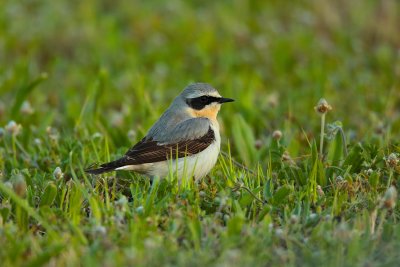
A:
202,100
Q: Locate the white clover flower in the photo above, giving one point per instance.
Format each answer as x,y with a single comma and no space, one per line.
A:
13,128
117,119
131,134
277,135
97,135
99,230
37,141
279,232
53,134
58,174
26,108
313,216
140,210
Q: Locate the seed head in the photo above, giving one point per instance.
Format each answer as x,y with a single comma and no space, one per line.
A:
323,106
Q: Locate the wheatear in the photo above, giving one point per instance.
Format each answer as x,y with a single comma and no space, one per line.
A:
184,141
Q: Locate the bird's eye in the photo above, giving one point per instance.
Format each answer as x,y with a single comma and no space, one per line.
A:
204,99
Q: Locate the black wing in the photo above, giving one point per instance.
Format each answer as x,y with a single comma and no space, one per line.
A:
150,151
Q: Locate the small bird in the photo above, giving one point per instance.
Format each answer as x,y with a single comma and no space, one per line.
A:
184,141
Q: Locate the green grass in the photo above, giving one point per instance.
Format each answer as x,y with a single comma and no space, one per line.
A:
86,79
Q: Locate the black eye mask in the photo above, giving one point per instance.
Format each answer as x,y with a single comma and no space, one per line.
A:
199,103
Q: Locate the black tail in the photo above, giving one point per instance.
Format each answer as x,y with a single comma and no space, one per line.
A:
107,167
102,169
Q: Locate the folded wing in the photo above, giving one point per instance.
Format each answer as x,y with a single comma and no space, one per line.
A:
187,138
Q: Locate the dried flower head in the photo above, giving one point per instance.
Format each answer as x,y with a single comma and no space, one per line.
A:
390,198
117,119
53,134
380,128
320,191
323,106
392,160
287,158
2,108
19,185
273,99
13,128
277,135
258,144
294,219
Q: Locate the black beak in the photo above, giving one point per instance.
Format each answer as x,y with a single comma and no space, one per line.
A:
225,100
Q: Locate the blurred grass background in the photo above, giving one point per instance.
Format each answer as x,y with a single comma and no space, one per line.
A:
99,73
276,58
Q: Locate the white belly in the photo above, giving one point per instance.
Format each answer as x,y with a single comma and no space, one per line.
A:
196,166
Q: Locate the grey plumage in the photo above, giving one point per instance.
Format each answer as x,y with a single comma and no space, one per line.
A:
189,129
174,115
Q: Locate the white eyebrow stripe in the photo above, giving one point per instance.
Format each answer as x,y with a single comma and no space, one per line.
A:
195,95
214,94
